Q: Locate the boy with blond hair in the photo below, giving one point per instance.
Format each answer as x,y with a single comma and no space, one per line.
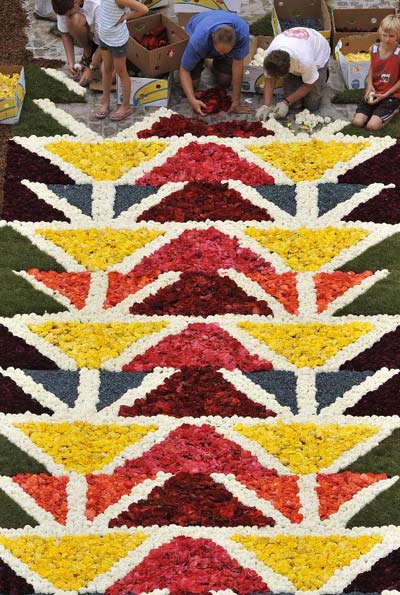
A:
382,96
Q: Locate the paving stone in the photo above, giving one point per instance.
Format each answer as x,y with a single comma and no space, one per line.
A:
44,44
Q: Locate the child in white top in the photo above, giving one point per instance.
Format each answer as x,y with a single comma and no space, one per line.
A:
300,55
114,40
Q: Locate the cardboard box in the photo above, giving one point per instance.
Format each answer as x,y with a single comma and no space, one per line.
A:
184,17
155,3
147,92
253,76
10,107
354,73
202,5
154,63
301,9
356,21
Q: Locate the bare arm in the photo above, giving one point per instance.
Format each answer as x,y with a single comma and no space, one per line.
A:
269,85
187,85
69,52
137,9
237,79
370,85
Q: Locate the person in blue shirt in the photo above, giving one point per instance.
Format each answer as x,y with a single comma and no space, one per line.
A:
222,38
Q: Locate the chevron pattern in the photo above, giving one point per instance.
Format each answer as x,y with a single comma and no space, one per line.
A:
199,367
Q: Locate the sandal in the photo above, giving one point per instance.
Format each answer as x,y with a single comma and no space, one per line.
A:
120,117
102,114
87,60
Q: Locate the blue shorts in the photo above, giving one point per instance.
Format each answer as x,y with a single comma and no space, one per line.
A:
116,52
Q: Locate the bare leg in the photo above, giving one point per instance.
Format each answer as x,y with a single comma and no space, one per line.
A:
107,80
360,120
375,123
120,67
79,30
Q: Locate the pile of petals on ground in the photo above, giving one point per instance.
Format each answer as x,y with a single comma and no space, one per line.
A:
200,364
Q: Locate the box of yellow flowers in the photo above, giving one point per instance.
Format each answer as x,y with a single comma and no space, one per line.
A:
352,54
12,93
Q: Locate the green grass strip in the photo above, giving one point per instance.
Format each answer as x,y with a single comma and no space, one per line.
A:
349,96
18,296
12,515
383,510
384,255
381,298
391,129
40,85
18,253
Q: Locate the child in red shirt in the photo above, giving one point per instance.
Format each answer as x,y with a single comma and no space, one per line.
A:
382,96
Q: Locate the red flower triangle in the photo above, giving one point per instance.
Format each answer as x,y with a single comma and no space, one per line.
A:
187,565
205,202
190,499
195,392
282,491
283,287
189,449
195,250
197,449
104,490
178,125
74,286
49,492
337,488
200,294
198,345
206,162
330,286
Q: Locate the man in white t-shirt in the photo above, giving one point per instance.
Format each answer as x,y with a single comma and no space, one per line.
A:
301,56
78,20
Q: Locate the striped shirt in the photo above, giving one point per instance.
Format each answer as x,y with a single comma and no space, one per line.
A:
109,33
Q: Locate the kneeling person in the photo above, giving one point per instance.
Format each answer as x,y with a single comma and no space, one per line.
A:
382,95
224,38
301,56
79,20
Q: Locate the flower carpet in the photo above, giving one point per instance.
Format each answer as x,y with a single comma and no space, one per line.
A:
199,360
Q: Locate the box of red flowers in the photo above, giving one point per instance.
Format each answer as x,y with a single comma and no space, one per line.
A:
155,3
156,44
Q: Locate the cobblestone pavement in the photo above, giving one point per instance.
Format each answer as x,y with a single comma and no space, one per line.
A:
45,44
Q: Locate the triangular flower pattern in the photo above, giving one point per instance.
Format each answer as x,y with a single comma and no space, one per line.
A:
198,413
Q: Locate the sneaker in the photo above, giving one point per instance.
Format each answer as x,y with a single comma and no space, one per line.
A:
50,17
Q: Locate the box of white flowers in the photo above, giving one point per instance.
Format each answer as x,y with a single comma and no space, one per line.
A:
12,93
253,77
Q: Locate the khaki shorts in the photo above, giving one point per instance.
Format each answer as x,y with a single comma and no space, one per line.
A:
313,99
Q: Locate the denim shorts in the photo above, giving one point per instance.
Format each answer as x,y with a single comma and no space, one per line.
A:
116,52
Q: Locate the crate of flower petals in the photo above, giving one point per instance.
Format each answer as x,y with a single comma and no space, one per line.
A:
356,21
12,93
155,3
313,14
253,77
352,54
156,44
